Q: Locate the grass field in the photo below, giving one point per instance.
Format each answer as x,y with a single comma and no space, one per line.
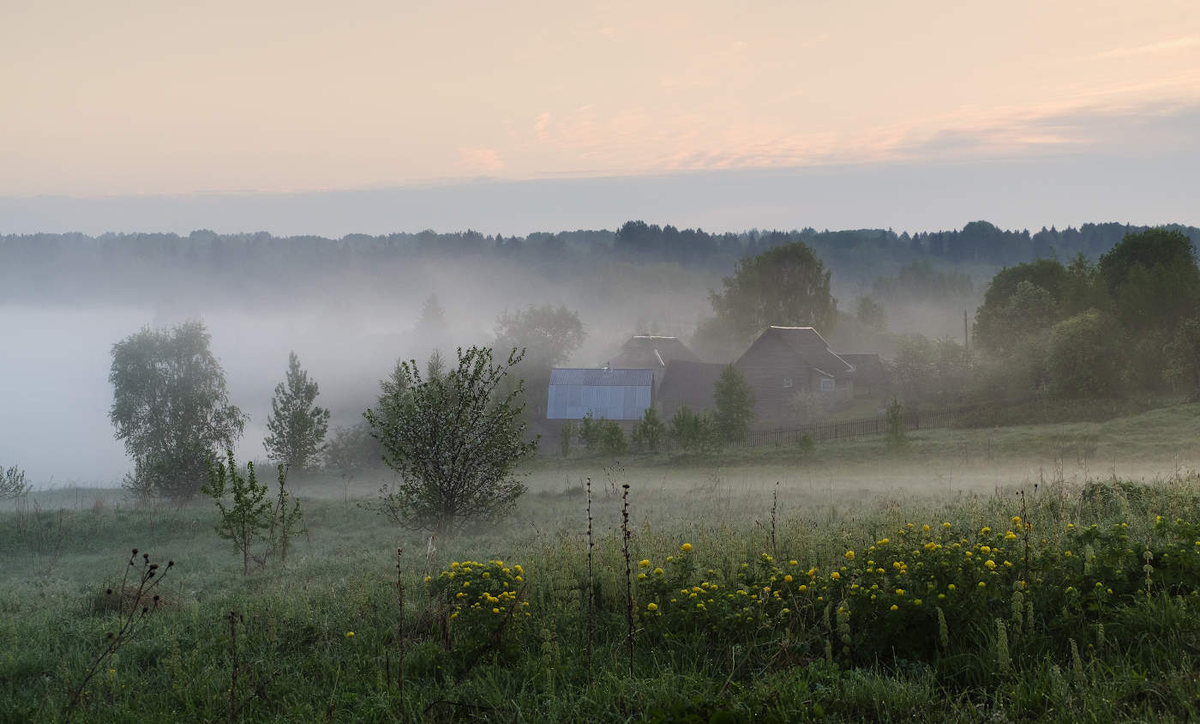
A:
1072,622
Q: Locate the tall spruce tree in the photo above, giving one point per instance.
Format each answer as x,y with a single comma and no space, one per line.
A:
296,424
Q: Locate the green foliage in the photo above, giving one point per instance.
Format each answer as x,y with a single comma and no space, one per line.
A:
484,608
648,433
897,438
917,281
734,405
247,517
612,438
565,435
454,439
171,409
1183,358
12,483
548,336
1153,277
695,433
929,370
296,425
1084,357
738,632
785,285
590,430
871,314
287,519
353,449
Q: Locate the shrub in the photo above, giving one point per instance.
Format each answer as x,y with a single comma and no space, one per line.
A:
695,433
612,438
648,433
455,440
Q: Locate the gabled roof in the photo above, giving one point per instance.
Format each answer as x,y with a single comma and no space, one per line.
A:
690,382
602,377
809,346
651,351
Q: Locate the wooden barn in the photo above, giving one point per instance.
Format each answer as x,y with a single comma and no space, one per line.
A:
687,383
795,376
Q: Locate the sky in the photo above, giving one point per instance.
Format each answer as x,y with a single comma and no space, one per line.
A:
385,115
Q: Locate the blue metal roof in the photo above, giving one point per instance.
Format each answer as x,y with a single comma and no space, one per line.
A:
613,394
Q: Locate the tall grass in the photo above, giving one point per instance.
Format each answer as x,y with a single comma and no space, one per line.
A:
290,655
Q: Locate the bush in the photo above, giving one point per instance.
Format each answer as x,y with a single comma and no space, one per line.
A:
455,440
647,433
12,483
612,438
695,433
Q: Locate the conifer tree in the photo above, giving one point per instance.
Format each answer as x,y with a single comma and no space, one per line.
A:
296,424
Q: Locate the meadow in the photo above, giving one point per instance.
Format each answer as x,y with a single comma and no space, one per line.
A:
1040,572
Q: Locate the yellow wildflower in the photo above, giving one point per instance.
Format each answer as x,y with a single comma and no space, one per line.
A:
686,547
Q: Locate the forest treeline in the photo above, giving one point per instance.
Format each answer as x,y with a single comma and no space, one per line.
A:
858,257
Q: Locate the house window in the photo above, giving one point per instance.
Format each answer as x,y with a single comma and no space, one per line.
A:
787,381
826,384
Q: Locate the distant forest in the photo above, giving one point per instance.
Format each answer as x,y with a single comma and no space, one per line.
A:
85,265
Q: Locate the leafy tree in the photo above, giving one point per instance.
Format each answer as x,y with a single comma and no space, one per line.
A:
455,440
1001,327
1183,358
297,426
695,432
12,483
549,336
1153,278
786,285
1084,357
734,405
247,517
171,409
871,314
929,370
353,448
648,432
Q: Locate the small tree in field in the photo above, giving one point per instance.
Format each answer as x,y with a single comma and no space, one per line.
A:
455,440
648,432
248,515
695,432
734,402
297,426
12,483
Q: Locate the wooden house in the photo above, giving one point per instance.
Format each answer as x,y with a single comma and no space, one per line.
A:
794,374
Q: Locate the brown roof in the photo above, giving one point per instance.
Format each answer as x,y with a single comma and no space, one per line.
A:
811,347
868,367
690,382
646,351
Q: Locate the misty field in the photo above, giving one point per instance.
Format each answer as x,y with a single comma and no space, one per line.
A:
861,586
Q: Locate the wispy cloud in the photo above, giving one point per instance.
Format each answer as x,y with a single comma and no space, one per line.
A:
480,159
1163,46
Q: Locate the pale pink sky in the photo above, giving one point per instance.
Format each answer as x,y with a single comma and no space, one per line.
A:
130,97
